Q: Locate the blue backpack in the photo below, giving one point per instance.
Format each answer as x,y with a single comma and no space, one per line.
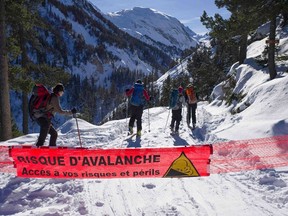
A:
173,98
137,98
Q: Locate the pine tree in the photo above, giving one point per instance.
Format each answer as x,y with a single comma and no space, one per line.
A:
246,16
204,72
240,22
270,10
20,21
23,20
226,51
5,118
165,92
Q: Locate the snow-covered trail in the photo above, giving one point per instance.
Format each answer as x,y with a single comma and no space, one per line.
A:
243,193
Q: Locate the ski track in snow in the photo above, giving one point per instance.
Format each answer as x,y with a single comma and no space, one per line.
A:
188,198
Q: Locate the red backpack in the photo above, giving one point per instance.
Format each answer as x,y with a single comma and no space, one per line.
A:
38,101
192,99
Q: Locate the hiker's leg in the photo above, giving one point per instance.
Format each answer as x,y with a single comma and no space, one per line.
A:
44,124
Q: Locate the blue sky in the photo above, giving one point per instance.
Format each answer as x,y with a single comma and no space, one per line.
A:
186,11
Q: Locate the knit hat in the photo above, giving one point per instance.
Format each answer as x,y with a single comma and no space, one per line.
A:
139,81
180,89
59,87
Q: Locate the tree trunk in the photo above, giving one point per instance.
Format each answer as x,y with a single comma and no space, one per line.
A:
24,77
243,48
285,19
6,124
25,112
271,50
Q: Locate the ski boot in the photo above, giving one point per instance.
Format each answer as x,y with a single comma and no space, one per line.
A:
130,131
138,133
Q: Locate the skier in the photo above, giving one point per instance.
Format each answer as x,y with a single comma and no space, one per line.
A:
45,120
191,98
176,101
137,102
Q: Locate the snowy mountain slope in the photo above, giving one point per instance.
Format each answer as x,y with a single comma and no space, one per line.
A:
173,73
154,27
80,40
92,43
260,95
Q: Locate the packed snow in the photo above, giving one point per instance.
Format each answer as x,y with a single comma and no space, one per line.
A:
261,192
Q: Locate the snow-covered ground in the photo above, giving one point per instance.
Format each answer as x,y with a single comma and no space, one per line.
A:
260,192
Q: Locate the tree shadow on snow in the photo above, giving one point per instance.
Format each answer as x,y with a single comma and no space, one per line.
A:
178,141
134,143
280,128
198,134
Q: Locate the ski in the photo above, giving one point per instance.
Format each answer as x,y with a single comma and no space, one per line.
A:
130,136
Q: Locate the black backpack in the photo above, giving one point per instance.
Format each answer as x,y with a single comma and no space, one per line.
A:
173,100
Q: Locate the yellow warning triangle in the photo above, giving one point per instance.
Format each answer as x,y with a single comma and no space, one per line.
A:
182,167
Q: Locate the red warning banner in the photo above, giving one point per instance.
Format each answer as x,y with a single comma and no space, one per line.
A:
6,163
31,162
245,155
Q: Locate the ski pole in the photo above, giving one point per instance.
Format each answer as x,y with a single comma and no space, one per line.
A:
167,121
182,113
187,115
78,130
148,120
127,104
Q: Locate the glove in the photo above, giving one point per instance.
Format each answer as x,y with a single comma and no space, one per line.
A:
127,90
74,110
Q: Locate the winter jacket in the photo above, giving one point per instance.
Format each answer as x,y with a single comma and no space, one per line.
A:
145,93
54,106
180,102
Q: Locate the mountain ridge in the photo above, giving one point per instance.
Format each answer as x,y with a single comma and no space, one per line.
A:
155,28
